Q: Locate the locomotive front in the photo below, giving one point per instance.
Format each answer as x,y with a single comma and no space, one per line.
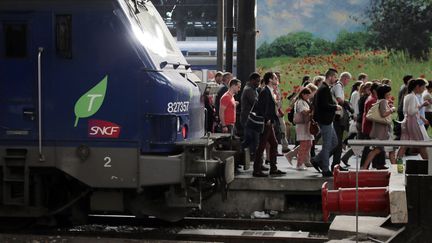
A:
114,122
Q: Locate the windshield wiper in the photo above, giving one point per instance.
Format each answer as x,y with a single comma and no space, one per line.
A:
175,65
140,3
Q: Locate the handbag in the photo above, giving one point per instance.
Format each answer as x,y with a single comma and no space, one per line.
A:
374,115
313,125
314,128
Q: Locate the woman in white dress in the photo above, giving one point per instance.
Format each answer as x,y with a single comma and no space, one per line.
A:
411,128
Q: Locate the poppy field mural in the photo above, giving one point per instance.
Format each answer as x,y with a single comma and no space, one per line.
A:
378,64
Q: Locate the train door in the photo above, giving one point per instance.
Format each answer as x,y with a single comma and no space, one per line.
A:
21,64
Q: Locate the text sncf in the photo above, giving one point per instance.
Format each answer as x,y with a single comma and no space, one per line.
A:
103,129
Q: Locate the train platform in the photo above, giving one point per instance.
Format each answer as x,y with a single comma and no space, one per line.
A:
294,180
290,196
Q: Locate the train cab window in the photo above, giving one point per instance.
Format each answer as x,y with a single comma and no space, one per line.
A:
199,53
15,40
64,36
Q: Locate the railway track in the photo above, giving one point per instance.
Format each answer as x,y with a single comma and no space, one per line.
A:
188,229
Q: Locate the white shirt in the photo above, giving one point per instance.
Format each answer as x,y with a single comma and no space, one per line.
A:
355,97
338,92
411,104
272,92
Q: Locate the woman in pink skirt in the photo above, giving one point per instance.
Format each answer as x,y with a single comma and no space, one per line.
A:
411,129
303,111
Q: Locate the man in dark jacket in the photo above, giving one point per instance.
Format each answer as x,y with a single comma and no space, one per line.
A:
248,98
325,107
266,107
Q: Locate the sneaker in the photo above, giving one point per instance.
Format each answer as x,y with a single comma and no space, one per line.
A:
301,167
277,173
345,163
289,156
263,168
382,167
343,169
315,165
327,174
285,150
259,174
308,164
340,167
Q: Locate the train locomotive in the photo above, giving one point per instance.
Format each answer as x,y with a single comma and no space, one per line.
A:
100,112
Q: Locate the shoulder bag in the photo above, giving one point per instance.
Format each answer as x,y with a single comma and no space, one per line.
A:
374,115
255,121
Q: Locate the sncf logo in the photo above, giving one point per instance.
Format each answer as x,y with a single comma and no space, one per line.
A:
103,129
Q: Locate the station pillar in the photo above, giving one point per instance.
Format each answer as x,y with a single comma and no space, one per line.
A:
246,39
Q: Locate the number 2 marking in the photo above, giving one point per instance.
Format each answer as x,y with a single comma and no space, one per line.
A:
107,162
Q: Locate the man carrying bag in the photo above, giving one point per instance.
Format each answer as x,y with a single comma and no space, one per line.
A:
266,107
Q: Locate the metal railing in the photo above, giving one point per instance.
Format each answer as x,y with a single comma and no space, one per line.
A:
357,147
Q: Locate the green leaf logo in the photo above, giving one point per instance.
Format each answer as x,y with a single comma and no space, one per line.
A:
90,102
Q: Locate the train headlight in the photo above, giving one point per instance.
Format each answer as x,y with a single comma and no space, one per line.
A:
184,131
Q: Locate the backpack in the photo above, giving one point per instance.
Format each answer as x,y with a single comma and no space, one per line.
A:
291,115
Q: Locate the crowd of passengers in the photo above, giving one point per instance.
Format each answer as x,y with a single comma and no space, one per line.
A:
321,103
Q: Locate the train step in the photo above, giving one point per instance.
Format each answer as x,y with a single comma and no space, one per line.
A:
15,179
16,151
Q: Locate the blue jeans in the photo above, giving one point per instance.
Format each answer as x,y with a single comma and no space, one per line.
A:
330,141
250,140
